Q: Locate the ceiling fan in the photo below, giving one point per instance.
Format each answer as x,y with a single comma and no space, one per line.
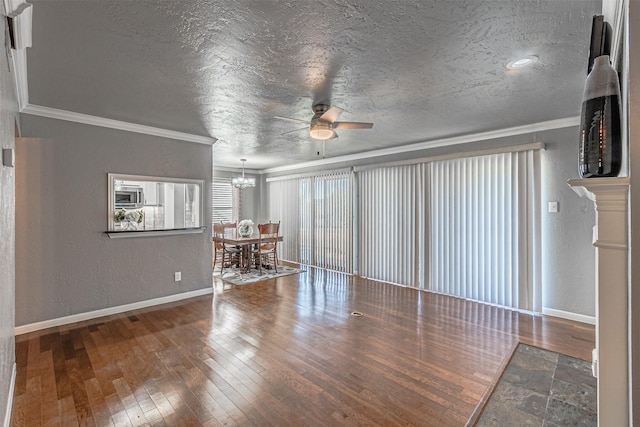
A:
323,123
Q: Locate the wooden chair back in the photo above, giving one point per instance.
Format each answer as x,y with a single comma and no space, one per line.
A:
218,232
268,245
222,229
268,234
233,226
270,228
222,250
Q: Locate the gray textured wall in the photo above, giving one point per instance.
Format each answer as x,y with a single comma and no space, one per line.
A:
8,108
65,264
568,256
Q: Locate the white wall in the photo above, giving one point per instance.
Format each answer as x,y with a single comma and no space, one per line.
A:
8,108
65,263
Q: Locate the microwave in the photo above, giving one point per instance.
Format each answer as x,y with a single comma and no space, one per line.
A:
129,197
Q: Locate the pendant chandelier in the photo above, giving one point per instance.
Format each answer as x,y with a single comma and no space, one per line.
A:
242,181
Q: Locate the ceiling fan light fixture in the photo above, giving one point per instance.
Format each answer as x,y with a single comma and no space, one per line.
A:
321,131
242,181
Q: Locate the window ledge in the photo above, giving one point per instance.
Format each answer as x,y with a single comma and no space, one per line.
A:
151,233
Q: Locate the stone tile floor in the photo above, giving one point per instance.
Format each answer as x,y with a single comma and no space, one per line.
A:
542,388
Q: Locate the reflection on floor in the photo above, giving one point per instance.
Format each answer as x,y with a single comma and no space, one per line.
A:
281,352
238,276
543,388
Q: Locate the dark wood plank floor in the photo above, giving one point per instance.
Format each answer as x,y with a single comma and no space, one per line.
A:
281,352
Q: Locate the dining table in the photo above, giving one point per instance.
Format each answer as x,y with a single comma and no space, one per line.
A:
245,243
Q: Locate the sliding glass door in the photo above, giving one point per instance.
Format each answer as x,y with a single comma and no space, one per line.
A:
316,219
468,226
392,224
484,223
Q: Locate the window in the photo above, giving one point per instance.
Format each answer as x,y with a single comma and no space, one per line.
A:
225,201
484,219
315,213
392,216
464,225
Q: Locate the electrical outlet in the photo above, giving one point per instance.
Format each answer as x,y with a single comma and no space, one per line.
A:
177,276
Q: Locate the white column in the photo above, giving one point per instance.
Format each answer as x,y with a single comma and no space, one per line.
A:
611,236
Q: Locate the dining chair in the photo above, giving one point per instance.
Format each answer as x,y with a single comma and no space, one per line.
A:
226,253
267,249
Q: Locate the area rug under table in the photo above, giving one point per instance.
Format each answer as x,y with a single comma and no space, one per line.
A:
542,388
238,277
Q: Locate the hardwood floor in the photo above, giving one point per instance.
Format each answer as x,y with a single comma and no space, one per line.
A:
282,352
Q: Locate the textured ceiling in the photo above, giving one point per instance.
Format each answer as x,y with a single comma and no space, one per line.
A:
419,70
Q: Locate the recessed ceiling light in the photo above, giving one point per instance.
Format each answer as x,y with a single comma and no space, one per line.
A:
522,62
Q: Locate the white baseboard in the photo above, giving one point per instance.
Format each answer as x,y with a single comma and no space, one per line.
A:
31,327
12,387
591,320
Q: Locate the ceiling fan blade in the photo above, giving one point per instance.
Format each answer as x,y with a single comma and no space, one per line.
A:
291,120
295,130
331,115
352,125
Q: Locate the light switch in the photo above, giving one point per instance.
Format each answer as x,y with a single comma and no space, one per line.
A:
553,207
8,157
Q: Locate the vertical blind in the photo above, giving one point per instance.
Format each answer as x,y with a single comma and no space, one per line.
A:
483,219
315,214
467,227
285,206
332,222
392,224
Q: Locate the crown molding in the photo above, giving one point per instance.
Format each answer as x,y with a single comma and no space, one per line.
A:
237,170
54,113
482,136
